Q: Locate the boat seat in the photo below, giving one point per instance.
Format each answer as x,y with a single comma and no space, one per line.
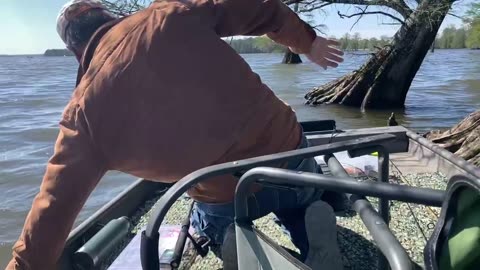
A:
455,241
257,251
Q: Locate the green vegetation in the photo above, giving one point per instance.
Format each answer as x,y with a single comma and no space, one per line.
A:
255,45
473,21
463,37
355,42
452,38
265,45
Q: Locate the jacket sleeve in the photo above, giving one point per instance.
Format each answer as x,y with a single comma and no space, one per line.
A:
72,173
259,17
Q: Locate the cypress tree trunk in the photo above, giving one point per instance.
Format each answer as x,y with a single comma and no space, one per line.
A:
383,81
291,58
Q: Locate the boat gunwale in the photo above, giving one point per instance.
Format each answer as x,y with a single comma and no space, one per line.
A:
459,163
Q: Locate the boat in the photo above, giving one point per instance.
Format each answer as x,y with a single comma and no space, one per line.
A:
98,241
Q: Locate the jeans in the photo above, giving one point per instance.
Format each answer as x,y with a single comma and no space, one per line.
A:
288,204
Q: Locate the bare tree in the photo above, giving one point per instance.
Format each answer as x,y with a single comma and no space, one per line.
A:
384,80
125,7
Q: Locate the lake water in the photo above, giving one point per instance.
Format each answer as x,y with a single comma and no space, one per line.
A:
34,91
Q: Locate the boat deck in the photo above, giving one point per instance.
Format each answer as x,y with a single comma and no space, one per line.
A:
408,162
414,161
355,242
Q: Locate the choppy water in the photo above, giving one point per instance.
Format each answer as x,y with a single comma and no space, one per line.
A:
34,91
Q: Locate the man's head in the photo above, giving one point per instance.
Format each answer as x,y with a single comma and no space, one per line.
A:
78,20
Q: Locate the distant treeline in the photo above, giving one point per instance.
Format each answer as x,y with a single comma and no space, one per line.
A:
355,42
450,38
265,45
58,52
255,45
459,38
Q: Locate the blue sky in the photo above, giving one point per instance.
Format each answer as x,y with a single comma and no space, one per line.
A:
28,26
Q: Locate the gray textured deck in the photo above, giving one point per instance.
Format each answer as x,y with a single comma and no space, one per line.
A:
410,163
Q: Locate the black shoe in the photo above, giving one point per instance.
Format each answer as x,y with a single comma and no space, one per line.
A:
321,228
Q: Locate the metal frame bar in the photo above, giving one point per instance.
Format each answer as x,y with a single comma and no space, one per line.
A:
386,241
400,145
383,171
318,126
150,236
375,222
275,176
181,241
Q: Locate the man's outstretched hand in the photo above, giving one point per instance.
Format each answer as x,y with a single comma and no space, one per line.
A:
324,53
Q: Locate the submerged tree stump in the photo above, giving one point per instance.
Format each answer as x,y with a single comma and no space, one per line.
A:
462,139
291,58
351,89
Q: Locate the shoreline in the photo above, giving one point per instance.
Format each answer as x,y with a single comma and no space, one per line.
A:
43,54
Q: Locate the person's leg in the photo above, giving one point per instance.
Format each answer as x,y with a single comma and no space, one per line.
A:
321,230
288,203
312,229
292,220
260,204
311,224
298,212
211,221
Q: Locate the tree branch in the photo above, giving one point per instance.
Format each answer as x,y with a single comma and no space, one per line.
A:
455,15
369,13
358,19
402,5
398,5
393,23
312,8
125,7
320,28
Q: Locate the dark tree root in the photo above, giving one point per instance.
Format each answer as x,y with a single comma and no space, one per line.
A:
352,89
462,139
